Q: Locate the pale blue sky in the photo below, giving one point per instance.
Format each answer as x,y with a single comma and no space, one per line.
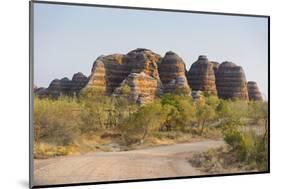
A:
68,39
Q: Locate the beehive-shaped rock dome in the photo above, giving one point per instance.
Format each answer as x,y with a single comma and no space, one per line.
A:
108,72
201,76
253,91
231,82
142,88
172,74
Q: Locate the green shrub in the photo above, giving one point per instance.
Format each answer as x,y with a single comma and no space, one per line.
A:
56,121
180,112
204,112
233,138
147,118
249,148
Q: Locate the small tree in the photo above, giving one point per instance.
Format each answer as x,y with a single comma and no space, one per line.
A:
147,118
95,109
204,113
258,111
57,121
180,111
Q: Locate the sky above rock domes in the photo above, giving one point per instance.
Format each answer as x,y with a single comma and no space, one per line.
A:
68,39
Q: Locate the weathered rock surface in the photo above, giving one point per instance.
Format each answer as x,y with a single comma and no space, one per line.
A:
41,91
172,74
231,82
108,72
78,82
55,88
64,86
147,74
253,91
201,75
143,60
215,66
142,88
196,95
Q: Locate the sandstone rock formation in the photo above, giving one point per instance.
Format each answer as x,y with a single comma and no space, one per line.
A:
55,88
142,88
215,66
196,95
41,91
172,74
253,91
231,82
145,75
143,60
78,82
201,75
108,72
63,86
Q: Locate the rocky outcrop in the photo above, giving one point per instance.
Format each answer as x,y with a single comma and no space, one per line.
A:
108,72
201,76
172,74
139,87
41,91
55,88
78,82
196,95
143,60
253,91
215,66
111,73
64,86
142,75
231,82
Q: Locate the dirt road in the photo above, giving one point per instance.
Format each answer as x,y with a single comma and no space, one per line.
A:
155,162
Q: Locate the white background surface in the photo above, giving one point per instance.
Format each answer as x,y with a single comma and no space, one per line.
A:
14,101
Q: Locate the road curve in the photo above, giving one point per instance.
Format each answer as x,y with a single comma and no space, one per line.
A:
155,162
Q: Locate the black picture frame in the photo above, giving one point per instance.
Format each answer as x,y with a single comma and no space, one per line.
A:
31,94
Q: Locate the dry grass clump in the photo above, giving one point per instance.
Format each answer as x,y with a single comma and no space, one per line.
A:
91,142
216,161
44,150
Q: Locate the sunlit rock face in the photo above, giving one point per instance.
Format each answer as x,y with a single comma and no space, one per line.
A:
231,82
141,88
165,74
201,76
253,91
108,72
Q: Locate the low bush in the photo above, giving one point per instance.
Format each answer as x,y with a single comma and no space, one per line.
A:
56,121
138,125
249,148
